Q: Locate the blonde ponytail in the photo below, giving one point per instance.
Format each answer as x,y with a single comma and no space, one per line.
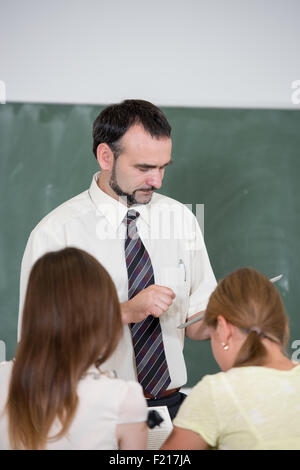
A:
252,351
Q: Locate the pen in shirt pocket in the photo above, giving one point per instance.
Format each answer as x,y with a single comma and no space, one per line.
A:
182,266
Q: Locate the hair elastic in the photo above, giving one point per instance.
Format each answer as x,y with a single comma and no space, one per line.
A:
261,334
257,330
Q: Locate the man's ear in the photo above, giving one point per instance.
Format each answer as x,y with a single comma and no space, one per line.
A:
105,157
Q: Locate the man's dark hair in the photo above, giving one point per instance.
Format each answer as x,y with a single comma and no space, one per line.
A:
115,120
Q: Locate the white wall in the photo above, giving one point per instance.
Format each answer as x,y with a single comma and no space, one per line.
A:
224,53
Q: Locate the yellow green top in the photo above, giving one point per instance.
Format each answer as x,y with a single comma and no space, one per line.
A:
245,408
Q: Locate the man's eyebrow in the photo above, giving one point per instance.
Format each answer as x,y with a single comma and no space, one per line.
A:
146,166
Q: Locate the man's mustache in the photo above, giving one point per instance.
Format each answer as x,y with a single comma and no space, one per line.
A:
146,189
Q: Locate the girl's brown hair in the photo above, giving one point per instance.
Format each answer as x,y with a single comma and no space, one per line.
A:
248,300
71,320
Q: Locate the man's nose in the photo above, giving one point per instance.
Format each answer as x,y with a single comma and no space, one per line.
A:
155,179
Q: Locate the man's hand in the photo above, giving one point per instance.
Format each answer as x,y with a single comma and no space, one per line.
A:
154,300
199,330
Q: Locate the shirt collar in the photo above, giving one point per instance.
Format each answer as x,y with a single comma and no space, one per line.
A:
113,210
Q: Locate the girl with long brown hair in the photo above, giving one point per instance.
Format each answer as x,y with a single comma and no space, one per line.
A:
54,394
255,402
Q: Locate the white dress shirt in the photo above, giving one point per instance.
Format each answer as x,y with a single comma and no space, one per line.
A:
104,402
170,232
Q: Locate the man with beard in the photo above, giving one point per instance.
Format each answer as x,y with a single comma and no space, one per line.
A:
150,244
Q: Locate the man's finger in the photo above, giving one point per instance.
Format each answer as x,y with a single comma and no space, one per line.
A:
166,290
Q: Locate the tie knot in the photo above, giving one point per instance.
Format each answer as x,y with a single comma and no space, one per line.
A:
131,216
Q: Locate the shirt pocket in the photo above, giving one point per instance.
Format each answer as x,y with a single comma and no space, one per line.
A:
176,279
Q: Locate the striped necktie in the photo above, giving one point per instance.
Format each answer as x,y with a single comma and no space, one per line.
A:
151,363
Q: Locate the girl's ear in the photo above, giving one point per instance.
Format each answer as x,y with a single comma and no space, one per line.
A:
224,329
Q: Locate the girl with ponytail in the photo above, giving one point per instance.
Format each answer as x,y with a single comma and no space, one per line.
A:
253,402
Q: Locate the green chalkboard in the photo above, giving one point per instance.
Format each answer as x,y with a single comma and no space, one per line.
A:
242,164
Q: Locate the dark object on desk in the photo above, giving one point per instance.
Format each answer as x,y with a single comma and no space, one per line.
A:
154,419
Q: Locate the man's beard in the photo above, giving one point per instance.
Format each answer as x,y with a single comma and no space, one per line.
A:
128,198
